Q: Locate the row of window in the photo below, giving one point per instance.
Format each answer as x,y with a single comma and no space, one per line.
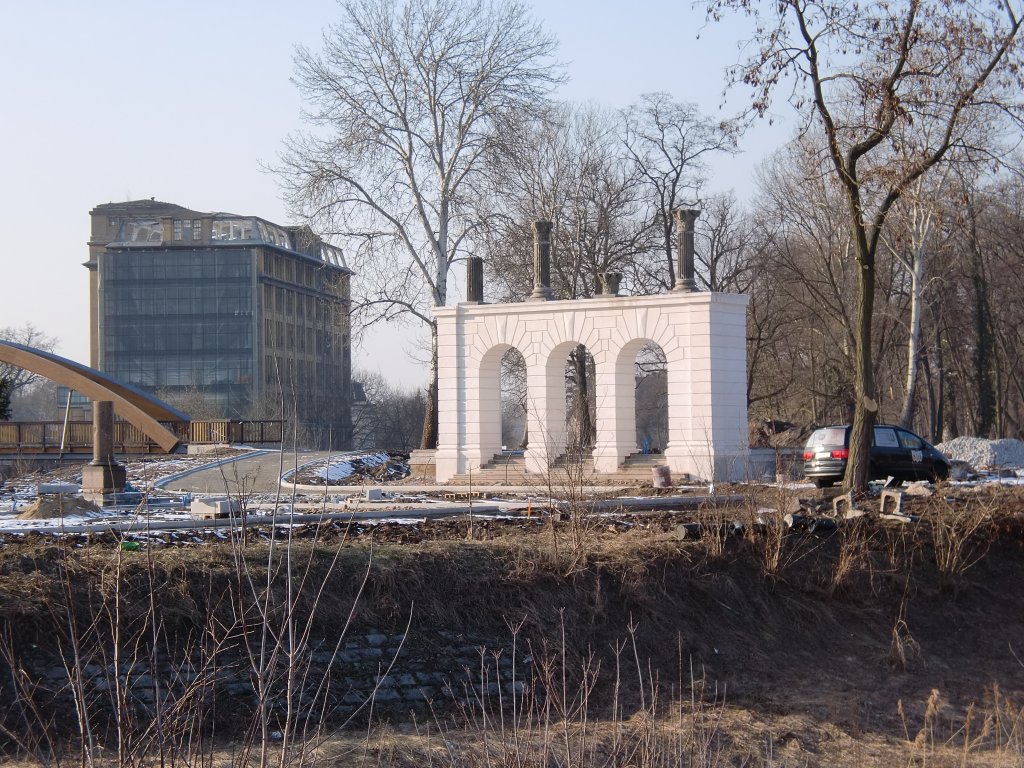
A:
301,374
305,339
290,269
193,227
191,310
278,299
169,271
181,373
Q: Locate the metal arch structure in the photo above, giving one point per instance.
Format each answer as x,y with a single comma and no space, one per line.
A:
132,404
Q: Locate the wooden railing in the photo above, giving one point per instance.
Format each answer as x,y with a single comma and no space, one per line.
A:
49,436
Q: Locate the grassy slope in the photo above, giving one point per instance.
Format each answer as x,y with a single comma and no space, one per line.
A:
820,671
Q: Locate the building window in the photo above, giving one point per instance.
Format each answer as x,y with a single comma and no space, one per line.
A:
197,229
177,229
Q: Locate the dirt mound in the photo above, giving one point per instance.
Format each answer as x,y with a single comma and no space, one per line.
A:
46,507
355,468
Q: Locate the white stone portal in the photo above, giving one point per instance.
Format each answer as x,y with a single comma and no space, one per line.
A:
703,337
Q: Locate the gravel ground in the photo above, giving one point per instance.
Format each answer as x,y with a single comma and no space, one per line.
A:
985,454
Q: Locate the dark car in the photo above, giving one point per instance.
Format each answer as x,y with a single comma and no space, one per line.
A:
895,452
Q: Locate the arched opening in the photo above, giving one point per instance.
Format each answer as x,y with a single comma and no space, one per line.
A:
634,418
502,402
514,402
650,400
580,402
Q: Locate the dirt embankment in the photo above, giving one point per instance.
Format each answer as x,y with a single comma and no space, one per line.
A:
824,637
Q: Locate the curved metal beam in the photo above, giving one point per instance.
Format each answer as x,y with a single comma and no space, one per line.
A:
135,406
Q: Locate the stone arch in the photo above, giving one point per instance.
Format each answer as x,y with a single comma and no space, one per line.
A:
135,406
488,395
616,436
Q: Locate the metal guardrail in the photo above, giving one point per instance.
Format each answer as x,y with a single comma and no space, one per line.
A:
48,436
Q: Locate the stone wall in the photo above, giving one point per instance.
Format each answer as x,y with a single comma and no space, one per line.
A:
398,678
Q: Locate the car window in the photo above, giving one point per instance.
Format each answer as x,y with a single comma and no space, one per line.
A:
827,436
910,440
817,437
885,437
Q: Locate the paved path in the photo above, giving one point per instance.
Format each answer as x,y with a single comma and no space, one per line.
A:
260,474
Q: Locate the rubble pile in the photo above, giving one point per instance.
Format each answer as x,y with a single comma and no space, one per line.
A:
354,468
985,454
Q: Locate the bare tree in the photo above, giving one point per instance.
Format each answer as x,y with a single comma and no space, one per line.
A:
390,417
29,336
669,143
568,166
893,88
915,238
405,102
723,251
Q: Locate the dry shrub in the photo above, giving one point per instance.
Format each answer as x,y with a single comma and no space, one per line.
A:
854,539
961,535
904,648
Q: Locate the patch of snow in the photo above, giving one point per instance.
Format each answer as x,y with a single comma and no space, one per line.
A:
346,465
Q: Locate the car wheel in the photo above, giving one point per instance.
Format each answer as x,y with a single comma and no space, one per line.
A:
824,482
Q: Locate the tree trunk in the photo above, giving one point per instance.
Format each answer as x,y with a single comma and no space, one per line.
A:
983,353
913,346
429,439
866,408
582,434
931,366
667,233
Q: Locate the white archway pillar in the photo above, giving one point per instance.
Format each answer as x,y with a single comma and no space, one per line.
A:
616,412
545,409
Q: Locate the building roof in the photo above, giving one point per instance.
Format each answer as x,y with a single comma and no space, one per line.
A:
150,206
295,238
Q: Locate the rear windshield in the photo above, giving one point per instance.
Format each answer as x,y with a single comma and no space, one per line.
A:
827,436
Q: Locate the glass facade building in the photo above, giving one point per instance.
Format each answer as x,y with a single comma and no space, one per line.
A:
250,315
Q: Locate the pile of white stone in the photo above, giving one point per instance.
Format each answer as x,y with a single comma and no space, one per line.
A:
985,454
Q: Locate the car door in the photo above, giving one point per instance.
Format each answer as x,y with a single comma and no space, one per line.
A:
888,455
918,465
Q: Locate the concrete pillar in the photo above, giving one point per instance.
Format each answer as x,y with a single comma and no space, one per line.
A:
685,218
541,262
616,415
475,280
545,413
103,475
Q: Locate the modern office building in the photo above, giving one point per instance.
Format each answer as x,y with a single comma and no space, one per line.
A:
247,317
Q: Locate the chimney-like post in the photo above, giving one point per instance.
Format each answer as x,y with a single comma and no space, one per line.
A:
475,280
685,220
541,262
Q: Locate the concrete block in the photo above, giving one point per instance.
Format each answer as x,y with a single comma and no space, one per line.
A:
896,497
213,508
67,488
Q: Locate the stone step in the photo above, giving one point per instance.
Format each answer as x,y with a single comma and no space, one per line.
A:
510,469
644,460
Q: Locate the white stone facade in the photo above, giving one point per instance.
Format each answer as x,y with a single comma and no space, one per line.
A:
703,336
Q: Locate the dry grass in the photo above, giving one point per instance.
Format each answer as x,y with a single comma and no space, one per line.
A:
762,647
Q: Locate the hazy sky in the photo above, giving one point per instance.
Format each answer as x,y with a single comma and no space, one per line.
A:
115,100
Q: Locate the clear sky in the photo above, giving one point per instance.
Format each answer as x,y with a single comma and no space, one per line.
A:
115,100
